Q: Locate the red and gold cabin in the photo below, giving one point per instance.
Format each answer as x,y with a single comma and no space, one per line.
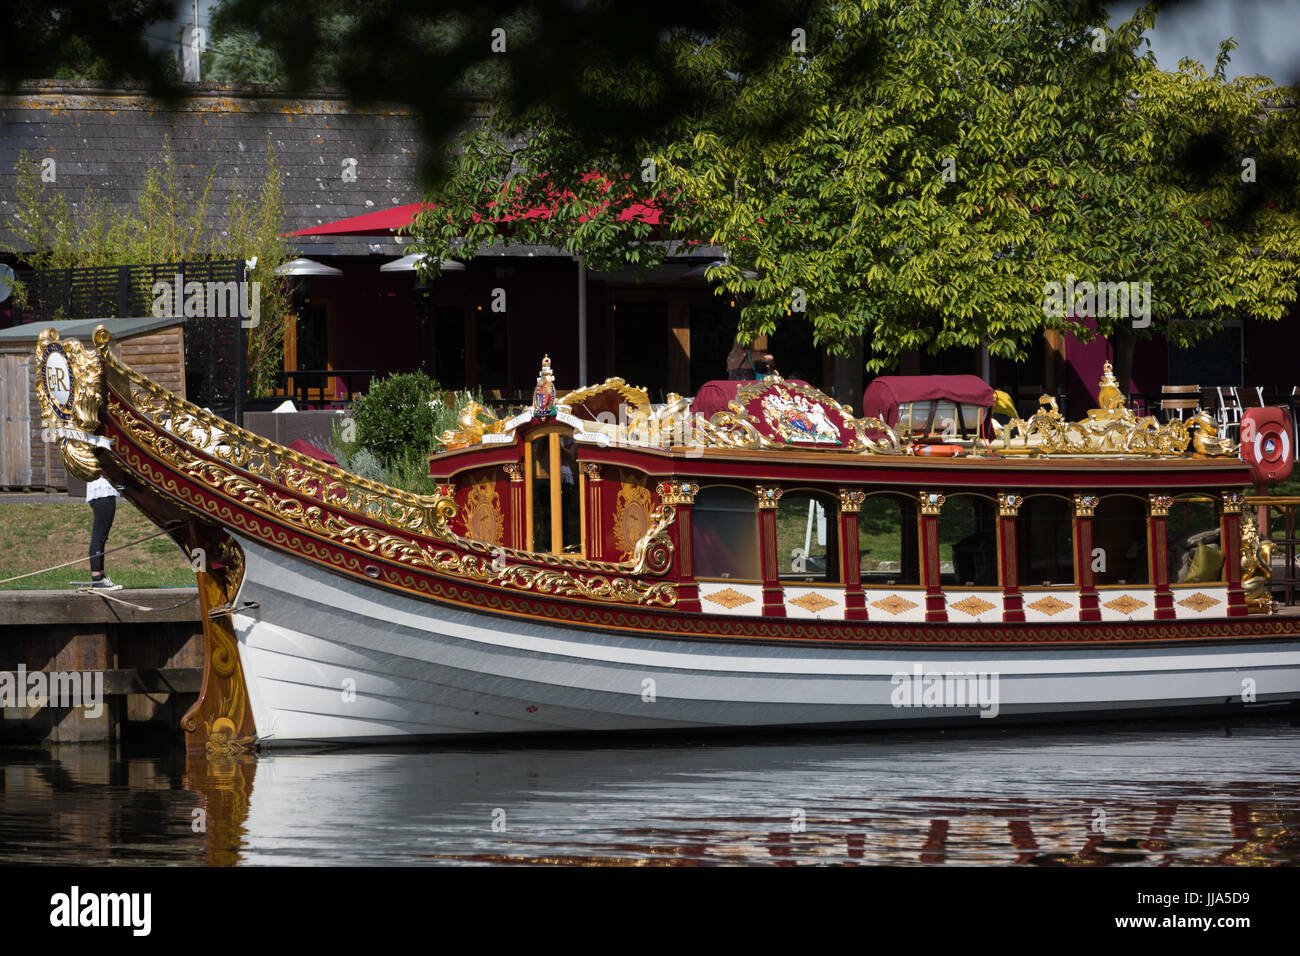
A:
780,503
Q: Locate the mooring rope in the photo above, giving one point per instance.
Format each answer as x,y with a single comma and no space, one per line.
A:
139,607
68,564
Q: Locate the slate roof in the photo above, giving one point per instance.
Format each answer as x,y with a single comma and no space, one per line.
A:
105,138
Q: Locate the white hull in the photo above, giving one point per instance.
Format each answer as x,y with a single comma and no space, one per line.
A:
421,670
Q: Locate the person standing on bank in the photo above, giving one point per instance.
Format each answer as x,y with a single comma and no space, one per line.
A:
102,498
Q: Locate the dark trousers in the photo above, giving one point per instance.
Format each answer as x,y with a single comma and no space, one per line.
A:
104,510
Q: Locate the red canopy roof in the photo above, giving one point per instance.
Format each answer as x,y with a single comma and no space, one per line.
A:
495,210
885,394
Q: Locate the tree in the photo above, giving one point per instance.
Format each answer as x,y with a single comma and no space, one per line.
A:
100,40
919,174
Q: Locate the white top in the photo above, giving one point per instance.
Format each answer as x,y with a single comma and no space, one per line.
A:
100,488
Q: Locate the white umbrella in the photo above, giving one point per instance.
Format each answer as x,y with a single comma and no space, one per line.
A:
409,263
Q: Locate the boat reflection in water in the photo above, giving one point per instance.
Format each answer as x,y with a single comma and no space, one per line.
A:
1160,794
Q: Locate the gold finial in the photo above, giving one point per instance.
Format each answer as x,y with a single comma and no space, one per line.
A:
1109,396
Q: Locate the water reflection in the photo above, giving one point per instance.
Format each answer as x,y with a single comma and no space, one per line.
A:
1149,795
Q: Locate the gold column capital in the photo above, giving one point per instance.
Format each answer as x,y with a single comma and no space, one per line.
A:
1009,505
769,496
851,500
1085,505
675,491
931,502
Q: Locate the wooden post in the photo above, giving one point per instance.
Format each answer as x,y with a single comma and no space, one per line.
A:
1230,542
681,495
1013,603
855,599
928,527
679,346
769,496
1089,603
1158,554
517,534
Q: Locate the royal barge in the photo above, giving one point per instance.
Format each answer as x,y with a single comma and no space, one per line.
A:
754,556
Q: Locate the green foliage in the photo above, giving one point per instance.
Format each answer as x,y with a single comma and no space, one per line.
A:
410,472
366,464
918,174
169,223
395,416
237,54
71,39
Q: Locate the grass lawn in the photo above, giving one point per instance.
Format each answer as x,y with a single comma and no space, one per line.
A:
36,535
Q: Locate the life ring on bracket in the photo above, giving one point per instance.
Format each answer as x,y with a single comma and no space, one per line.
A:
1268,444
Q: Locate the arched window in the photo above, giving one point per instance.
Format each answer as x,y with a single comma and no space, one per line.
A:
1119,541
1192,541
968,543
888,541
724,534
807,540
1045,542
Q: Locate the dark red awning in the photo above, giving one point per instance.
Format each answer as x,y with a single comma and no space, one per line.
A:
885,394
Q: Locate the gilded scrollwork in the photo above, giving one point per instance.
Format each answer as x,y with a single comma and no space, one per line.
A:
483,519
173,433
632,512
69,387
1112,429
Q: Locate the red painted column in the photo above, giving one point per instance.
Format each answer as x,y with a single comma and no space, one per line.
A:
1230,542
593,515
935,608
1158,554
769,496
516,534
680,495
1089,602
855,599
1013,603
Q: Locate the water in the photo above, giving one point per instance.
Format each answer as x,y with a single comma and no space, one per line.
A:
1133,794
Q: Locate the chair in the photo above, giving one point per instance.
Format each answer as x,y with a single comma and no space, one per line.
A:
1177,400
1229,411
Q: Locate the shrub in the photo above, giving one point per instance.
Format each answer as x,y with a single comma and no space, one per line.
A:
366,464
395,418
410,472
